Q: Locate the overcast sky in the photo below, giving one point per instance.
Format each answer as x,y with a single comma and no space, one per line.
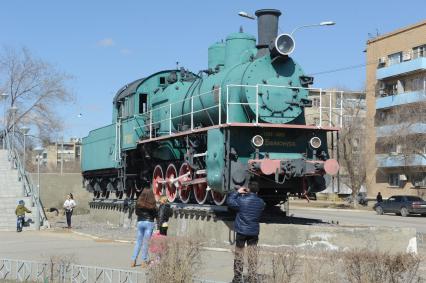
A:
106,44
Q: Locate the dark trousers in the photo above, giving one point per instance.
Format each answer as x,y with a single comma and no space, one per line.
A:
68,214
20,222
163,231
240,242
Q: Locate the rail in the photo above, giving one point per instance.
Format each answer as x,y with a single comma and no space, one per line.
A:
26,180
329,109
61,272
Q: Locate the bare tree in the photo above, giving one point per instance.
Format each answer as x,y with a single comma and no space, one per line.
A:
352,147
36,88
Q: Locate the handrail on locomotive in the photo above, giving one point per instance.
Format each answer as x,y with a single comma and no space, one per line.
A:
148,116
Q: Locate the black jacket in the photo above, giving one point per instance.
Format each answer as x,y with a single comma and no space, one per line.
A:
146,214
249,208
164,213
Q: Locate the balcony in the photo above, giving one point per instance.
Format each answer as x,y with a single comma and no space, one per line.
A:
405,67
401,129
401,99
393,161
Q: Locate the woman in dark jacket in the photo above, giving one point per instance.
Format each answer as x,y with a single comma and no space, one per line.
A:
146,212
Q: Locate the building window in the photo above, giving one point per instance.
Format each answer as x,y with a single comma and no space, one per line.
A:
419,51
395,58
393,179
316,102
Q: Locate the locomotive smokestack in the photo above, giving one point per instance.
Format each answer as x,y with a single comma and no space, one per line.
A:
267,29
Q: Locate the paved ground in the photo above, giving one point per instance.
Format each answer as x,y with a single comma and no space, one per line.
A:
31,245
217,265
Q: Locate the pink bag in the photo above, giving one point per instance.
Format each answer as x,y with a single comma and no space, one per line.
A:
158,243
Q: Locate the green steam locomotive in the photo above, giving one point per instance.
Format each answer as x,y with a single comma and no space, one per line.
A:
194,137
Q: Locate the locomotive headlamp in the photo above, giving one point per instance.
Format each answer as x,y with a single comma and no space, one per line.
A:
315,142
257,141
284,44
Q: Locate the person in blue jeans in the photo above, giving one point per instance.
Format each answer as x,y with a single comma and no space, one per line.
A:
146,211
249,208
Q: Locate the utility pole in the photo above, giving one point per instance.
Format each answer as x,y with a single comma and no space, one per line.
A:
62,156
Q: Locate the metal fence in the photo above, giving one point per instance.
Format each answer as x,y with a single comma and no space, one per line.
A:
33,271
63,272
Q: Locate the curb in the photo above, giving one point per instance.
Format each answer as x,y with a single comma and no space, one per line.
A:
330,209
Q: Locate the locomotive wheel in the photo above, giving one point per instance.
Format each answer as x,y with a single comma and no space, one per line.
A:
171,190
185,191
218,198
105,194
119,194
200,192
157,185
97,188
104,188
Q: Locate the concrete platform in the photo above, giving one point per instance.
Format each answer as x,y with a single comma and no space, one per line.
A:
280,231
221,234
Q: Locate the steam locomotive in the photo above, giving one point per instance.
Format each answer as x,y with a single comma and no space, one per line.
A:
195,137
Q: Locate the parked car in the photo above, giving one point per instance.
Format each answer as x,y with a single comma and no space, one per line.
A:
402,205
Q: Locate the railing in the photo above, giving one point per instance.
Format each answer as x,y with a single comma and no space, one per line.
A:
329,111
33,271
26,180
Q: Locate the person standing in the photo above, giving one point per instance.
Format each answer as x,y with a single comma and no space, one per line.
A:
379,198
20,215
69,205
146,211
164,213
249,208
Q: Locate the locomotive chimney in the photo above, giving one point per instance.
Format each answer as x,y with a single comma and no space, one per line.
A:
267,29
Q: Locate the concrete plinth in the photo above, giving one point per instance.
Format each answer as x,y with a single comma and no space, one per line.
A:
221,234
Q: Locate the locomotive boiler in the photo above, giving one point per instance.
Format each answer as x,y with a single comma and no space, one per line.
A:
194,137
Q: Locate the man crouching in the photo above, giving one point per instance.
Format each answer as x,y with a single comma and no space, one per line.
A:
249,208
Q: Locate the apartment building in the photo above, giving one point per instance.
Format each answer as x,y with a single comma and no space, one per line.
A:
62,151
396,112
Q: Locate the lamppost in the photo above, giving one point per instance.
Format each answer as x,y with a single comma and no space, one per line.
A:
13,110
4,96
325,23
24,131
38,150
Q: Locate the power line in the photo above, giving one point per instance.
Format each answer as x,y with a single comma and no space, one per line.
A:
338,69
351,67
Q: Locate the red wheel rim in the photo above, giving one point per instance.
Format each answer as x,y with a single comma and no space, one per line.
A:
218,198
185,191
171,174
157,178
200,192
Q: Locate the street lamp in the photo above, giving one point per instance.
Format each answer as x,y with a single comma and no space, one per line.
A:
38,150
13,110
325,23
3,97
246,15
24,131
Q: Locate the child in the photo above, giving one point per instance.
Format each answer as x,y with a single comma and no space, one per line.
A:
157,246
20,215
164,213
